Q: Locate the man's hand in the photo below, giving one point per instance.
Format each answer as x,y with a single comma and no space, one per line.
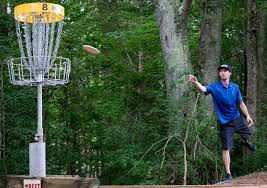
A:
250,121
192,78
244,109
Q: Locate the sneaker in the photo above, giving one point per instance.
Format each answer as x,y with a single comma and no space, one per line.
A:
227,179
248,144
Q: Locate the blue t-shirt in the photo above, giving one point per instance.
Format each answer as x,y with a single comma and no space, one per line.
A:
225,100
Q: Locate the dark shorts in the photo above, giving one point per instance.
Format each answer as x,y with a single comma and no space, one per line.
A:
227,130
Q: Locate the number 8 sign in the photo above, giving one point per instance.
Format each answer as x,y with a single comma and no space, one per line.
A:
44,6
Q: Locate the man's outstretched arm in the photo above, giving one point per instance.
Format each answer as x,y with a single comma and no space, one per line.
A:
199,86
244,109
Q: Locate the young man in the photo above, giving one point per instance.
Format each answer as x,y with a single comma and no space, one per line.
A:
227,98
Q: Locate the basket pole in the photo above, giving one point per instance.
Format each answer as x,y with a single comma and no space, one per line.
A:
40,114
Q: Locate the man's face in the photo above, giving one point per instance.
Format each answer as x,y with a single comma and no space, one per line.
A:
224,74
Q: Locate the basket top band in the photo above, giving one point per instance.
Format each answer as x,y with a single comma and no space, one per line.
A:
52,12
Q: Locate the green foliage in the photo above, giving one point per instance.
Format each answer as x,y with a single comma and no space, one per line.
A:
113,118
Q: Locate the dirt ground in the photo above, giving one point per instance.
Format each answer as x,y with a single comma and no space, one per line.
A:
258,178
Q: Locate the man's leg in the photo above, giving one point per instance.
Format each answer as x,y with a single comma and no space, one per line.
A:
245,133
227,161
226,134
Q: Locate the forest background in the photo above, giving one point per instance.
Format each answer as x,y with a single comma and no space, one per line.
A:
129,115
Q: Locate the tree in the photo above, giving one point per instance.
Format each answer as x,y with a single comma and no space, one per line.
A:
254,59
261,41
114,119
172,20
210,44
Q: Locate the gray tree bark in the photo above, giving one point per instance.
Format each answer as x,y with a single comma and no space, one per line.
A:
261,91
254,59
210,45
172,21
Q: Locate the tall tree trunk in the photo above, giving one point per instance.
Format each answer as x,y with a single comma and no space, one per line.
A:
210,45
141,55
2,121
252,57
1,112
261,75
172,20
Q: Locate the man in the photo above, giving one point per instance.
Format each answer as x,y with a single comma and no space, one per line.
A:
226,98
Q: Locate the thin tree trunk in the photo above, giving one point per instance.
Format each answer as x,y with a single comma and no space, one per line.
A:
1,111
251,57
210,45
261,91
185,156
141,55
141,58
2,120
172,21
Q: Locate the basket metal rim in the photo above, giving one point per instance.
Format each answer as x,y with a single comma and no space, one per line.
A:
24,11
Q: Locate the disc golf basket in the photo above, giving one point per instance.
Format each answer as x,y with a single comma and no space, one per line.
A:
38,29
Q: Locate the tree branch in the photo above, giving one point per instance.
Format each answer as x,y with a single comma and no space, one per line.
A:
195,149
186,7
130,60
164,151
186,137
147,153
